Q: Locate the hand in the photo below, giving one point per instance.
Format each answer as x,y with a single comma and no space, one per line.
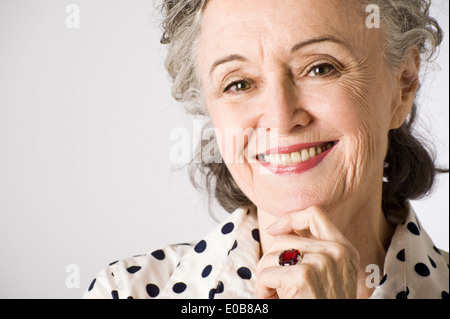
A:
329,267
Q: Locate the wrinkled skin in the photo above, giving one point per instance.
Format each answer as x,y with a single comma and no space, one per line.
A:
269,83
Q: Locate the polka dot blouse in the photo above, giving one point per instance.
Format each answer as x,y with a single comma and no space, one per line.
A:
222,265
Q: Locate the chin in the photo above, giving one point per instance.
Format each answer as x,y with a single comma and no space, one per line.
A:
279,204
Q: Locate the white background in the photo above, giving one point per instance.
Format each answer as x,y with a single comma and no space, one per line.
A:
85,121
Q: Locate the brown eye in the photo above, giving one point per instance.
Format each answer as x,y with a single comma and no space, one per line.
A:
322,70
238,86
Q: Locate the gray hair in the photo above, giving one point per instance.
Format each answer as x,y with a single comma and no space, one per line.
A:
409,165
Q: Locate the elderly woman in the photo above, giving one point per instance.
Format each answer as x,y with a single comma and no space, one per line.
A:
313,105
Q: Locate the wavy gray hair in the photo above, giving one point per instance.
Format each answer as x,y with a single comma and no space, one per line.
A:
409,164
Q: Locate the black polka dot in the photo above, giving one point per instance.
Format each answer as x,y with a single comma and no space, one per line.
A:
383,280
212,293
418,225
152,290
244,273
422,269
220,288
227,228
413,228
403,294
234,246
133,269
91,286
401,255
255,234
115,294
130,297
444,295
159,254
200,247
179,287
206,271
436,250
433,264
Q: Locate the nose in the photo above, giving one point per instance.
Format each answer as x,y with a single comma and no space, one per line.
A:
283,109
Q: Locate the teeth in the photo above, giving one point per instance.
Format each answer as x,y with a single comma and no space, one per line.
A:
285,159
273,158
305,155
296,157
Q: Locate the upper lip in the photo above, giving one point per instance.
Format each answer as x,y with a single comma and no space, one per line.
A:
294,148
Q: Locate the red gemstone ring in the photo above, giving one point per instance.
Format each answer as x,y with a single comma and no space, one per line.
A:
290,257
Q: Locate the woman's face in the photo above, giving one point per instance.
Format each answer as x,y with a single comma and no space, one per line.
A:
306,82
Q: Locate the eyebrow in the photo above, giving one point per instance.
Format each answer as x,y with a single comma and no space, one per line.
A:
298,46
228,58
302,44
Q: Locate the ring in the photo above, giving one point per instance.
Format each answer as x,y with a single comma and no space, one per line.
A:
290,257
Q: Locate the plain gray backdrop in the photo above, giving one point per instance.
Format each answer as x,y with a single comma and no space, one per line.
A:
85,122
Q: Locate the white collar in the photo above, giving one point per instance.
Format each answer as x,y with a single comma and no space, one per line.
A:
413,268
231,251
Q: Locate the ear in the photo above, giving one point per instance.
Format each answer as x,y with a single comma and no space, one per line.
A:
407,83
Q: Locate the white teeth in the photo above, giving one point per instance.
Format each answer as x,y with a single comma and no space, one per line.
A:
273,158
285,159
305,155
296,157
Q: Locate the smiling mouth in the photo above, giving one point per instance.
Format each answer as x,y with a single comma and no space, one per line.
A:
294,154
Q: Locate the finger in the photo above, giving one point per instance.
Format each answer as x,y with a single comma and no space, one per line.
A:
314,219
267,283
313,252
261,290
287,282
264,292
271,259
281,243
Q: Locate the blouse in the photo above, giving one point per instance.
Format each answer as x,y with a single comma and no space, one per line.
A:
222,265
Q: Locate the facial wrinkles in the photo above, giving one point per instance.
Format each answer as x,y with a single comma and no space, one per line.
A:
354,84
361,83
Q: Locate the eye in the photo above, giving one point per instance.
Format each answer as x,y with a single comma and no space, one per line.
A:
321,70
238,86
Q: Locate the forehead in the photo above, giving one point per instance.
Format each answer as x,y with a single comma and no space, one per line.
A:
242,24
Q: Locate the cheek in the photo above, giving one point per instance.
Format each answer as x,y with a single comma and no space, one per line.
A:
360,114
230,135
238,141
235,135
